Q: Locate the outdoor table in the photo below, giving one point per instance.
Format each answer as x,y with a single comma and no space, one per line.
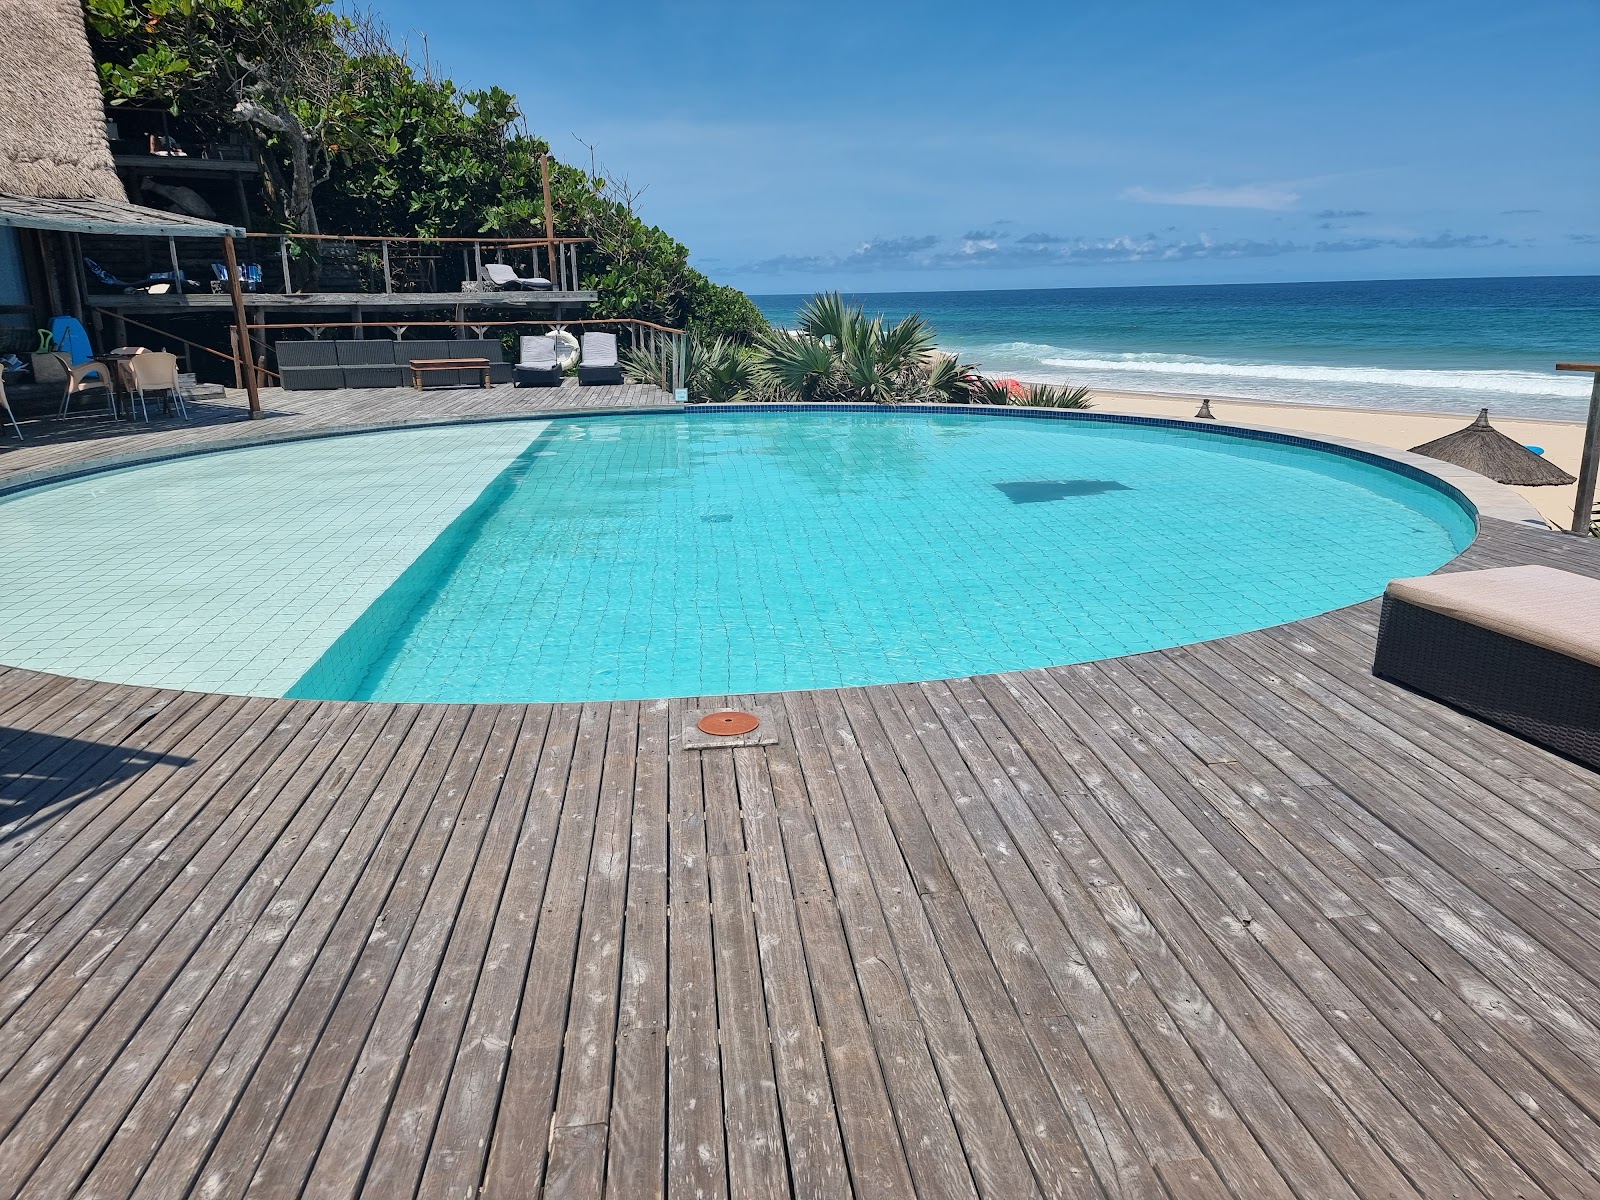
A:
420,366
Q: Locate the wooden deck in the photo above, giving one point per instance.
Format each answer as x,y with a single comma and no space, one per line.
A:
1231,920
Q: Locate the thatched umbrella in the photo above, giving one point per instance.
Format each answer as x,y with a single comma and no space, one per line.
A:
1482,448
52,124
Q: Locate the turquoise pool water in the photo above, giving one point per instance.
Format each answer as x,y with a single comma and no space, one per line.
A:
701,553
716,552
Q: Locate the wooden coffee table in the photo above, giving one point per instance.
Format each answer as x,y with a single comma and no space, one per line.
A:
421,366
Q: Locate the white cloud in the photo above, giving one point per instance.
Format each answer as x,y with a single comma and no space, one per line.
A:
1271,196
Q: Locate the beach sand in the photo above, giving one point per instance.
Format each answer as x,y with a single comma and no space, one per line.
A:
1562,440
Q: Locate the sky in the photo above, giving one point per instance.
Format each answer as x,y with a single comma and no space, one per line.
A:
877,147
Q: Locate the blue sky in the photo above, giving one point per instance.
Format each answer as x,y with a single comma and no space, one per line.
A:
876,147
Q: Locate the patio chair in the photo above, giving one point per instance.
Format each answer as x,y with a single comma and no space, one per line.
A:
599,363
537,365
89,377
506,279
154,371
6,406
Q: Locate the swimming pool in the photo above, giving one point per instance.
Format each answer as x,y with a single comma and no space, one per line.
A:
701,553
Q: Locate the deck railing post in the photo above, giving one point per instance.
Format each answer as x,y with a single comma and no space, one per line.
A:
283,257
242,343
388,284
1589,467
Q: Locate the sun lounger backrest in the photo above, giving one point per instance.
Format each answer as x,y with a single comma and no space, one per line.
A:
539,351
599,349
499,274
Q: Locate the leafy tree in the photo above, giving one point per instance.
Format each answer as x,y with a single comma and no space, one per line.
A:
354,135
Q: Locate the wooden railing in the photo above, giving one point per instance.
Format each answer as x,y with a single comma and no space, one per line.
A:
190,347
404,267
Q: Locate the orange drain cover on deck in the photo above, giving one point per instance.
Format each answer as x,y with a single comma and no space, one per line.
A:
728,724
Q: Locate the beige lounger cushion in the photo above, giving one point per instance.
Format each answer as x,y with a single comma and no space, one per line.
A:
1539,605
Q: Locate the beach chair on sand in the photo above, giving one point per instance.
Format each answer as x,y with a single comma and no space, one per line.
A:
599,363
507,280
537,365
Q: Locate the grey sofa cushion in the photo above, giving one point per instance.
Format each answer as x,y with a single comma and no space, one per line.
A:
404,352
373,352
377,376
489,348
307,354
301,379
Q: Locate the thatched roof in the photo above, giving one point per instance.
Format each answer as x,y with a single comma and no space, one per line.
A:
1482,448
52,125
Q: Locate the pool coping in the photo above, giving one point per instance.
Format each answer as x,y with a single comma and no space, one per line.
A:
1483,496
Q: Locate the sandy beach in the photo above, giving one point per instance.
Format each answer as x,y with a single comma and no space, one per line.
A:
1562,440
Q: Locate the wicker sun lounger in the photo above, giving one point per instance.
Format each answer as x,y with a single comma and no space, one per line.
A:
538,365
1515,646
600,363
506,279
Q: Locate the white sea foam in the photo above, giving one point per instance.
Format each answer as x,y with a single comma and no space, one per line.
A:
1520,383
1549,394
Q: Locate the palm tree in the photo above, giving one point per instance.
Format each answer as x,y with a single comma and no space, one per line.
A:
715,372
837,352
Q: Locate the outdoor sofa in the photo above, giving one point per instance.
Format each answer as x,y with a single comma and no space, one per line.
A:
383,362
1516,646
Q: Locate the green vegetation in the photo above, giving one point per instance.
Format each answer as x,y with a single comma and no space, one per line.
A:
355,136
837,353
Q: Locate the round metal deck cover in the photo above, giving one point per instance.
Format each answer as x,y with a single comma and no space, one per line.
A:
729,723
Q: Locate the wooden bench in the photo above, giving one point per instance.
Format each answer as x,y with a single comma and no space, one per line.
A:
421,366
1516,646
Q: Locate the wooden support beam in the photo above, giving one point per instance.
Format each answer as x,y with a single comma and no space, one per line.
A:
1589,467
242,345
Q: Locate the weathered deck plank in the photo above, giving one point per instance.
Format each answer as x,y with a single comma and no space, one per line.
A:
1230,920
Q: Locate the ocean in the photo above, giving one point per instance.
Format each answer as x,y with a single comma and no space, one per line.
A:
1438,345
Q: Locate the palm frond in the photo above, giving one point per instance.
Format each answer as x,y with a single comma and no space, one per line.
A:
991,391
828,317
906,344
951,381
723,372
799,366
1046,395
869,377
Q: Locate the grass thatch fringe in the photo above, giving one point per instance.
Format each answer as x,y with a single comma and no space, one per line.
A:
52,125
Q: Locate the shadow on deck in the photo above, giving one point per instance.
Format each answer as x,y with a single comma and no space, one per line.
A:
42,771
